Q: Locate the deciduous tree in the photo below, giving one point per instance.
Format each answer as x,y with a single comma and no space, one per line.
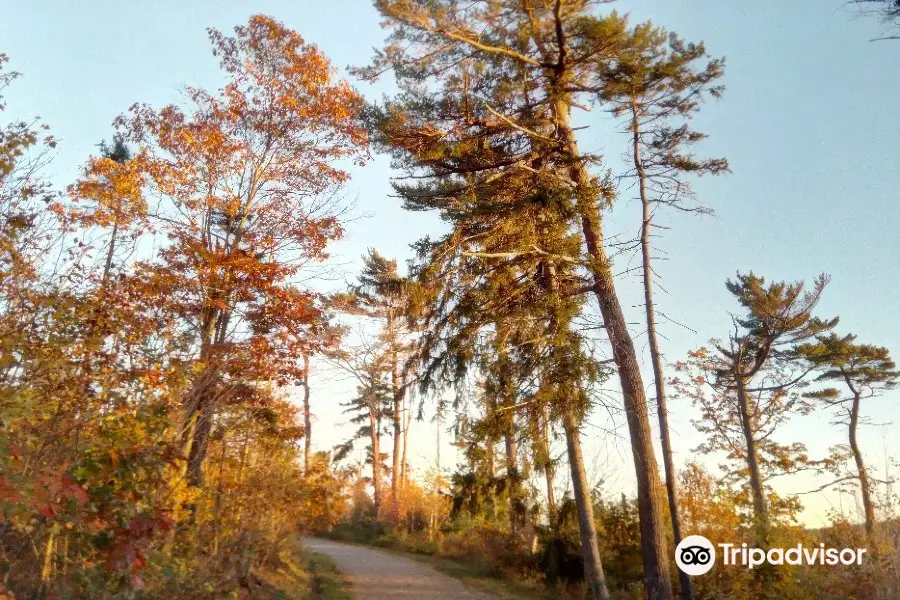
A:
244,179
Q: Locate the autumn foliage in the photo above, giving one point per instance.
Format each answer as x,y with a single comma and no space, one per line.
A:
158,314
147,444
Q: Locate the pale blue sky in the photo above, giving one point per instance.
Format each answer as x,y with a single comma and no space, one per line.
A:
808,122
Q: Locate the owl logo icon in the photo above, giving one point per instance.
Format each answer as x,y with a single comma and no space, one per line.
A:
695,555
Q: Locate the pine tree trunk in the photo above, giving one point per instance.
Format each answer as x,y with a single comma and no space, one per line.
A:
512,479
687,590
490,469
760,506
549,471
407,421
868,506
307,417
489,457
590,548
397,391
375,434
650,503
549,477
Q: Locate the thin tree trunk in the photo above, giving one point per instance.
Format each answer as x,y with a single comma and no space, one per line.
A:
407,421
489,456
590,548
307,417
200,442
512,478
217,505
687,590
109,256
375,433
432,522
549,477
547,463
650,503
868,506
490,468
48,565
760,506
397,391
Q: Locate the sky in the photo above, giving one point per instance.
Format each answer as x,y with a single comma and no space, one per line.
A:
808,124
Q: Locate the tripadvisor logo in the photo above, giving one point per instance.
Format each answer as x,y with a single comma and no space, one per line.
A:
696,555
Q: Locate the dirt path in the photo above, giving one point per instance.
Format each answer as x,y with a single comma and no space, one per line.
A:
377,575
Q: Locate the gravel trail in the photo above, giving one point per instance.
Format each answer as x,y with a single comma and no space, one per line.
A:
377,575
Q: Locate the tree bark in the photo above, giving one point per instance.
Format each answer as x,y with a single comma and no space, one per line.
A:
307,417
868,506
107,267
375,433
200,442
650,504
407,421
397,391
547,463
197,417
512,478
490,469
489,457
687,590
590,548
760,506
200,405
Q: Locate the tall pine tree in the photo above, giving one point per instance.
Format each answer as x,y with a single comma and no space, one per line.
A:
489,88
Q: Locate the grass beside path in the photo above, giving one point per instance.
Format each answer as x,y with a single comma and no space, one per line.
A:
478,577
327,581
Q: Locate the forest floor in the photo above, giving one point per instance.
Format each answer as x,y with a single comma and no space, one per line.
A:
383,575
